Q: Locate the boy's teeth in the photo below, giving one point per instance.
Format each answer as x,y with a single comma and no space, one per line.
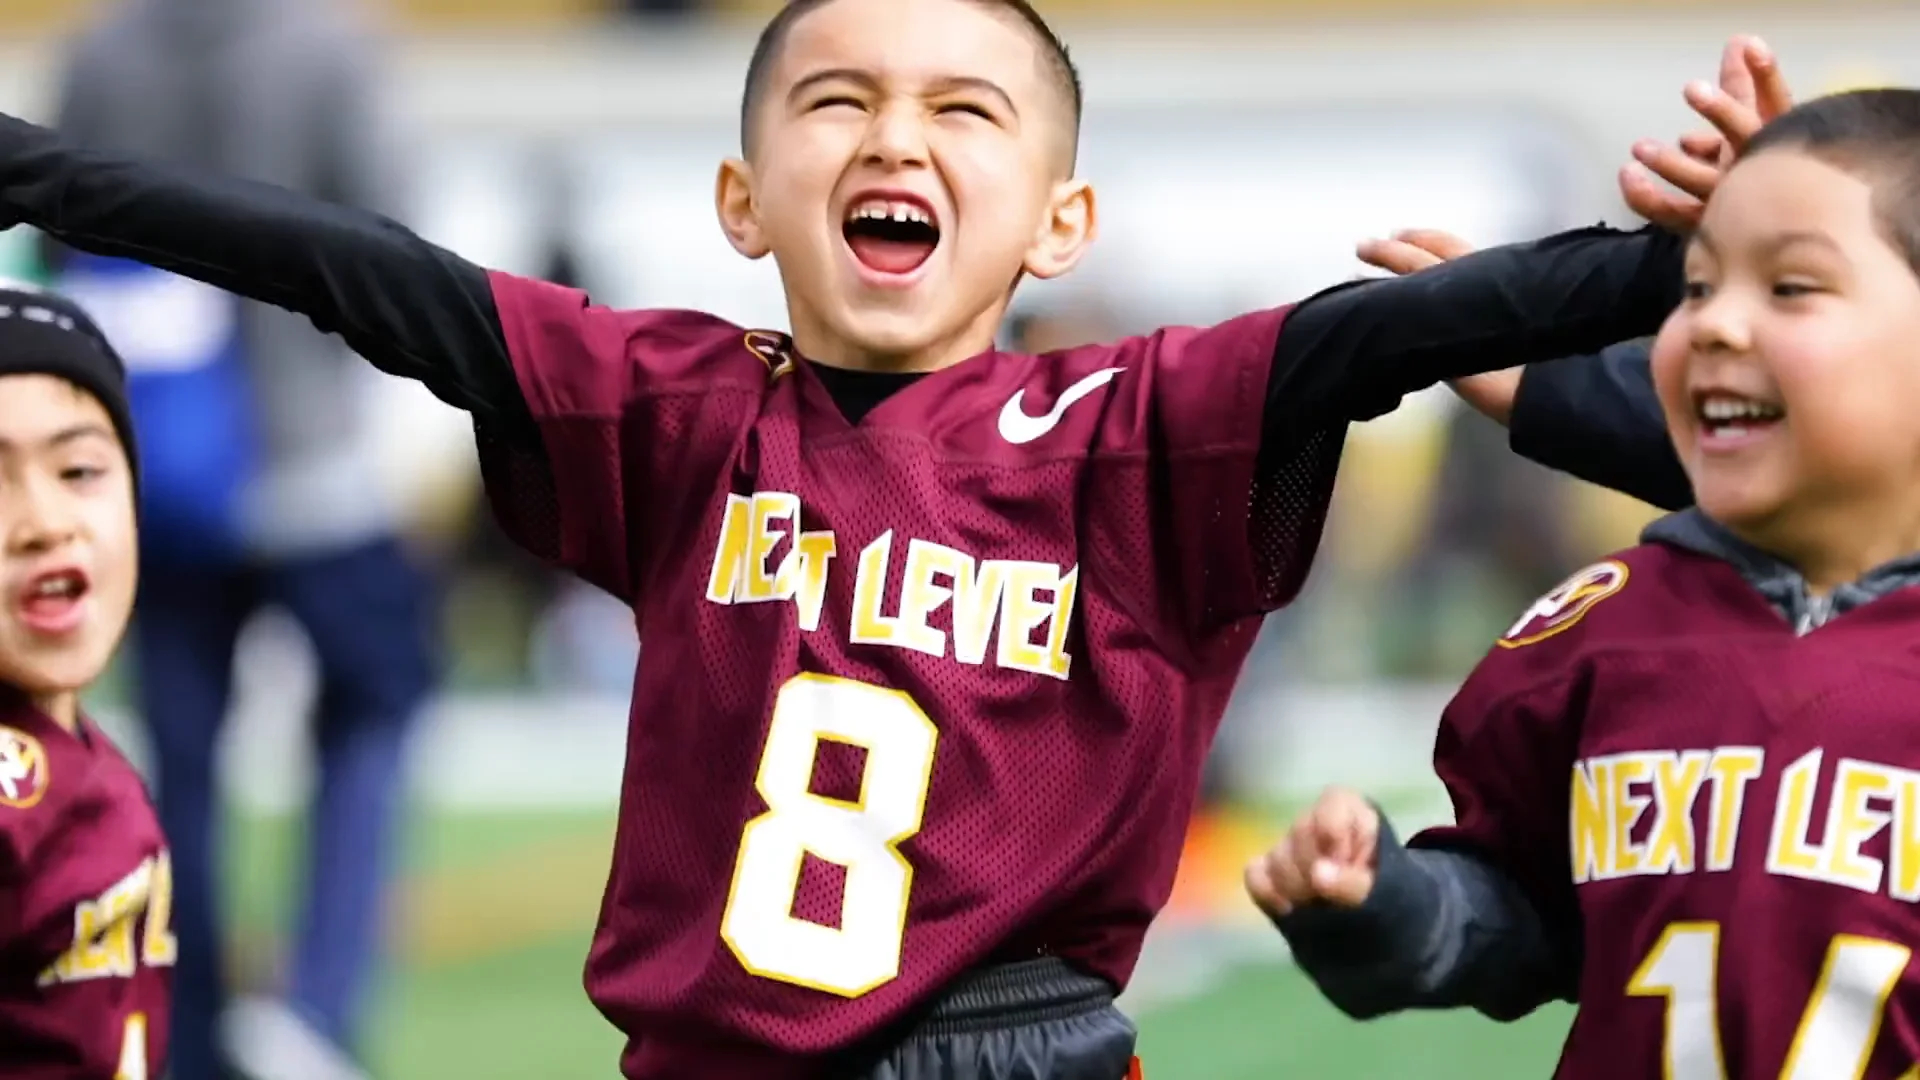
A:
1726,410
881,210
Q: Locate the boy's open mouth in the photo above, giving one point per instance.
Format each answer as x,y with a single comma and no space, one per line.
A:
1730,418
891,235
51,603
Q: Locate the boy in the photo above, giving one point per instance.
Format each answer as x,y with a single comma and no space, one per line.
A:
1726,887
86,951
936,636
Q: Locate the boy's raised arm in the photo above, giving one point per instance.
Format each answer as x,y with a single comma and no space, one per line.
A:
1352,352
412,308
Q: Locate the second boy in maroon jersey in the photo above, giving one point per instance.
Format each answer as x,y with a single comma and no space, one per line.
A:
86,949
1687,781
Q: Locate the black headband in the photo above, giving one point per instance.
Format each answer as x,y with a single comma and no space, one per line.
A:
44,333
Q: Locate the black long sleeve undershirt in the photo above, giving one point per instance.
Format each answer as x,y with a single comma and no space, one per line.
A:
1598,418
1442,929
416,310
412,308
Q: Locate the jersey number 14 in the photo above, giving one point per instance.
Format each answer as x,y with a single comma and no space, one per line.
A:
1837,1030
862,836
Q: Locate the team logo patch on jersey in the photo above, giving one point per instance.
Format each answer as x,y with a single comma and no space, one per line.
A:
1566,605
773,349
24,772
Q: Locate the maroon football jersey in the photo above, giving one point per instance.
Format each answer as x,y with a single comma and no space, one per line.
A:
1732,810
916,693
86,945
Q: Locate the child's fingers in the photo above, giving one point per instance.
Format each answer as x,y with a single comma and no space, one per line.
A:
1396,256
1672,164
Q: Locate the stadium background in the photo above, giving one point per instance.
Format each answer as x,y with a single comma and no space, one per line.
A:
1240,148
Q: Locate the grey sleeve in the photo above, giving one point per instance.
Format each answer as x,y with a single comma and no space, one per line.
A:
1441,930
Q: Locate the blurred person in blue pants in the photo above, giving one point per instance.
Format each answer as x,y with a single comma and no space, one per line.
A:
278,91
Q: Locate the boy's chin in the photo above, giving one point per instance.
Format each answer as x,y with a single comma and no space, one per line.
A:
1747,505
904,339
65,671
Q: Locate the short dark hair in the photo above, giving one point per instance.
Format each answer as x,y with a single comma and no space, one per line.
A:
1053,54
1874,134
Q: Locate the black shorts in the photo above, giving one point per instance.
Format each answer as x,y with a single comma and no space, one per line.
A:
1033,1020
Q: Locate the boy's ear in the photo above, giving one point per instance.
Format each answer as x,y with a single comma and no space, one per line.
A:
733,203
1070,226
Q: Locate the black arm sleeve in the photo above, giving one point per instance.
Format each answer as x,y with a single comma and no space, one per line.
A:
411,308
1441,930
1352,352
1598,418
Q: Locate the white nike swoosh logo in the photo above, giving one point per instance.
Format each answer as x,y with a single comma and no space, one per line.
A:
1017,427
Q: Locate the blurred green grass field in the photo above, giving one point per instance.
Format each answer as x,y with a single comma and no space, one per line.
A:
492,923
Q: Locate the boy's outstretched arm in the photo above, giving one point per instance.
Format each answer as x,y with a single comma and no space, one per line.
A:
1596,417
410,307
1352,352
1414,929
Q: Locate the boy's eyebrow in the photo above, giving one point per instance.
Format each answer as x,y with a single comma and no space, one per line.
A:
950,83
1780,241
946,84
82,430
853,75
1774,243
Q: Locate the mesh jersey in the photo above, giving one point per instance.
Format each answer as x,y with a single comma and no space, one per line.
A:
915,693
1730,811
86,948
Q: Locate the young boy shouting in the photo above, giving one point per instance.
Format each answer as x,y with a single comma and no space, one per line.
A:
936,635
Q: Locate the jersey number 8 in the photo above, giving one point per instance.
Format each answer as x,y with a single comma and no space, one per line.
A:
862,836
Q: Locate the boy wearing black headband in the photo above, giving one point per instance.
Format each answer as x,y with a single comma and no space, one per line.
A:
85,881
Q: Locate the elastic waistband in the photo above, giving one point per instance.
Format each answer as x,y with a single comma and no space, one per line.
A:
1014,995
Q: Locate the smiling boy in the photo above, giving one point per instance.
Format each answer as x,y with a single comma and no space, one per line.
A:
936,636
1684,780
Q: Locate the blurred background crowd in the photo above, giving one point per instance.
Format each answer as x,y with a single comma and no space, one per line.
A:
415,732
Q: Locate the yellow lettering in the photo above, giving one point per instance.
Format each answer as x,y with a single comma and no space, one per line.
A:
976,600
1731,769
103,931
1903,844
1591,817
816,551
1677,779
1022,612
1058,662
1788,852
1021,600
920,597
1628,804
158,948
771,510
723,584
869,587
1851,823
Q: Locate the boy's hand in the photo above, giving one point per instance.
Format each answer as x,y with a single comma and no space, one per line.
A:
1751,92
1410,251
1327,857
1413,250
